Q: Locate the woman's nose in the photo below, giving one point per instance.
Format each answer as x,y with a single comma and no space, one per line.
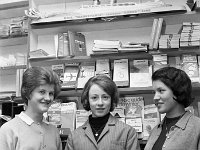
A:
156,96
47,97
100,102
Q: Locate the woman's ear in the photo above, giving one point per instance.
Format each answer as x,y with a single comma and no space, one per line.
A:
114,105
25,106
175,98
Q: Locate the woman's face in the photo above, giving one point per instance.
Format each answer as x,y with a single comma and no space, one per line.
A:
163,98
41,98
100,101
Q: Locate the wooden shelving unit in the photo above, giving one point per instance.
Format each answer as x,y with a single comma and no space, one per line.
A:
118,23
12,8
11,41
13,45
100,28
52,26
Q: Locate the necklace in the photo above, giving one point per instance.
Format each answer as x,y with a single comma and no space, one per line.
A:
96,132
166,128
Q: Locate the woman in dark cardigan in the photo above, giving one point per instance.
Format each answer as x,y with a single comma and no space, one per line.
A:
179,130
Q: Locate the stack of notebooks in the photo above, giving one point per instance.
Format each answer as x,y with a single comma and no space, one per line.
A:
190,35
38,53
106,46
134,47
169,41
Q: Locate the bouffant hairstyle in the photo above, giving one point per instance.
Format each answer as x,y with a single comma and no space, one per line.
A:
107,84
178,81
34,77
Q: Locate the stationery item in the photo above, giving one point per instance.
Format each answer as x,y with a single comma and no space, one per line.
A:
151,119
68,115
87,70
190,66
70,75
81,117
134,110
121,73
59,70
140,73
153,33
102,67
158,33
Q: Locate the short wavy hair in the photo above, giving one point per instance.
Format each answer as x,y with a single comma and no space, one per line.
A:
107,84
178,81
34,77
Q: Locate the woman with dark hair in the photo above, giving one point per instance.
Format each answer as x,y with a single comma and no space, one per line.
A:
28,130
102,130
179,130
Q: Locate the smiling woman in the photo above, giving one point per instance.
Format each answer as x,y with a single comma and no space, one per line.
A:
102,130
179,130
28,130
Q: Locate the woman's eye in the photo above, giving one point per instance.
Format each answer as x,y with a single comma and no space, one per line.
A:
42,92
51,94
105,97
94,98
161,90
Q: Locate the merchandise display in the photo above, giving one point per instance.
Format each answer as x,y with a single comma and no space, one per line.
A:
127,41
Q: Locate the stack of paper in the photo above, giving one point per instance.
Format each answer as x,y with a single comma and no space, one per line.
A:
133,47
38,53
106,46
102,67
159,61
190,35
169,41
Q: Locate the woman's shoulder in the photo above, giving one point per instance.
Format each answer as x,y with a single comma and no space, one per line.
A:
13,124
78,132
191,122
80,129
195,120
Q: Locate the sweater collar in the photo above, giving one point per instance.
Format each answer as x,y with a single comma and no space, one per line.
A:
28,120
99,121
111,122
182,122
